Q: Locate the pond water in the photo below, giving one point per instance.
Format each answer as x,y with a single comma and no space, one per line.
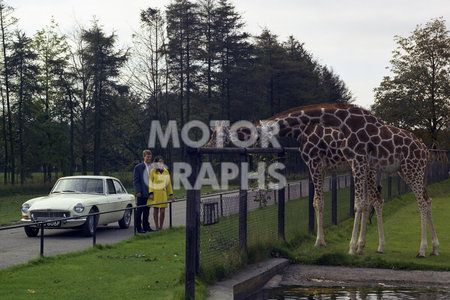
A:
357,293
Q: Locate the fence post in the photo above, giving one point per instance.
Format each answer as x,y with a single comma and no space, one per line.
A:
300,188
170,214
243,206
281,200
399,189
311,205
94,235
192,225
42,240
352,195
135,219
289,192
221,204
334,199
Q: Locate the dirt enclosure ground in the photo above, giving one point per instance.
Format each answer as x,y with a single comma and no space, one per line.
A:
308,275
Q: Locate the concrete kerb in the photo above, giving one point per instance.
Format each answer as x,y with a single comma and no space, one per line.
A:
248,281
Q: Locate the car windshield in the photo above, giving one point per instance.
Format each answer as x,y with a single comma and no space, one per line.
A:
79,185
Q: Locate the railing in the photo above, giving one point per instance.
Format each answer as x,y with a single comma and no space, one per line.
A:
41,224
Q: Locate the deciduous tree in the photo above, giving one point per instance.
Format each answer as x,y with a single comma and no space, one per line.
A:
417,94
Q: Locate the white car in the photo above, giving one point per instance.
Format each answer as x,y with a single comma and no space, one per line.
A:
77,196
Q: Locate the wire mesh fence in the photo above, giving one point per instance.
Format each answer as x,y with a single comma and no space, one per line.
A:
219,237
233,224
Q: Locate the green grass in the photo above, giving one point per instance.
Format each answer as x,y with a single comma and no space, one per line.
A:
152,266
401,221
143,267
220,246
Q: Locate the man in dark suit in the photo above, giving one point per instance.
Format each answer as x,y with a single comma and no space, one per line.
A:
140,181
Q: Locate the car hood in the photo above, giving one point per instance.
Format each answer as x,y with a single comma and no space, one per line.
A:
61,201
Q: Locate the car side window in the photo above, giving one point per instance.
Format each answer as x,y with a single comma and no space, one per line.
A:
111,188
119,187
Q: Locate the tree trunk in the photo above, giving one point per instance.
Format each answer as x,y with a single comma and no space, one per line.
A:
97,130
21,160
5,139
8,106
72,127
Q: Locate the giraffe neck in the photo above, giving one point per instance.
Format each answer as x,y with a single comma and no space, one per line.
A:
347,118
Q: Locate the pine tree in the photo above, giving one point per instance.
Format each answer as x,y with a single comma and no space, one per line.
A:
232,47
23,72
6,22
52,50
183,50
103,63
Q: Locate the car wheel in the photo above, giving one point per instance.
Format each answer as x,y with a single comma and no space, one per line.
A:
90,224
31,231
124,223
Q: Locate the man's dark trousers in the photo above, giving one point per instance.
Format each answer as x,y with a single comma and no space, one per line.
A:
142,213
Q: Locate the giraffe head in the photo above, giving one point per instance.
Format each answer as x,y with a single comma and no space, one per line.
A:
220,135
238,134
267,132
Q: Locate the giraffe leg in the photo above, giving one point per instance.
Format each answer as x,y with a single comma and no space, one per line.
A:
362,234
414,177
381,241
376,200
423,241
413,183
353,245
434,237
371,197
317,175
359,175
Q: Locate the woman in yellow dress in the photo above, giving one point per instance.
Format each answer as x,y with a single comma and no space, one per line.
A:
159,185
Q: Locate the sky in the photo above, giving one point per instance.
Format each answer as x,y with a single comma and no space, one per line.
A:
355,38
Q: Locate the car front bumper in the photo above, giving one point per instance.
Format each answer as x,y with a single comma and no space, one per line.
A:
72,223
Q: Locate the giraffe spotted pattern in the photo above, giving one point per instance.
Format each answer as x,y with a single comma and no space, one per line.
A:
334,135
368,145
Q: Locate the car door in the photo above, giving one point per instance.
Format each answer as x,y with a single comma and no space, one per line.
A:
124,198
114,200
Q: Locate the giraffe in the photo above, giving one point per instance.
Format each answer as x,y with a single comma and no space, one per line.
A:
319,148
369,144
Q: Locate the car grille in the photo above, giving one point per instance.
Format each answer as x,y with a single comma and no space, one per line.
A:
48,215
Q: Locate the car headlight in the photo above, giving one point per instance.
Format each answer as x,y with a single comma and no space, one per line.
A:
79,208
25,207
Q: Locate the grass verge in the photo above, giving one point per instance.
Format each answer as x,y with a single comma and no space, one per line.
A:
144,267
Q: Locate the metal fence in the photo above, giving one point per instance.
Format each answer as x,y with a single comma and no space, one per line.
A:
42,224
220,229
